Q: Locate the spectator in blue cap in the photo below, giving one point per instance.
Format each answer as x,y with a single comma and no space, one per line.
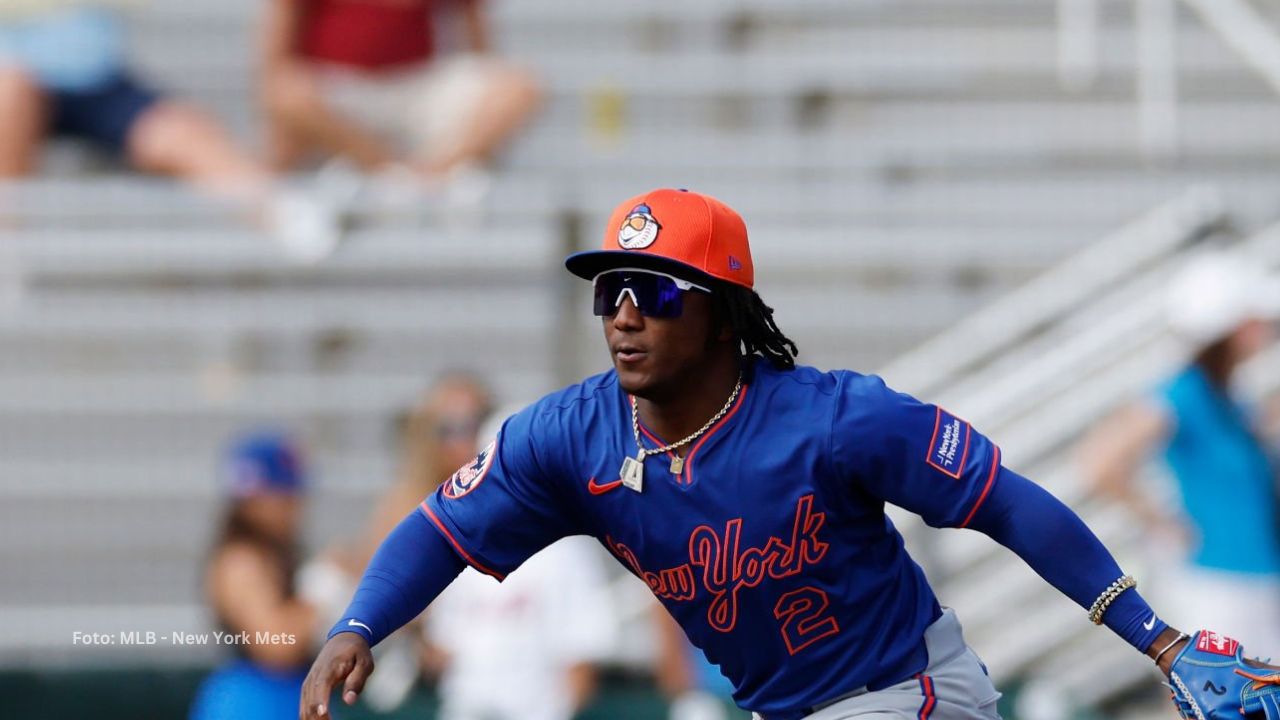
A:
249,585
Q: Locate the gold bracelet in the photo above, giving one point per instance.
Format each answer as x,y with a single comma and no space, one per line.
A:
1109,596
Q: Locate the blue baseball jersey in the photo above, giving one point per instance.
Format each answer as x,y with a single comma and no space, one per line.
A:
771,548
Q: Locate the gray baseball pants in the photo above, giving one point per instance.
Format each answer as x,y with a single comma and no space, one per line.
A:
955,686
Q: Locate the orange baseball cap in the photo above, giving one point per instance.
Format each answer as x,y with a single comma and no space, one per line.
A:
672,231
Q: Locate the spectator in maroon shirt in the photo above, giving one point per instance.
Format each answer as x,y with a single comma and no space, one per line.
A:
362,80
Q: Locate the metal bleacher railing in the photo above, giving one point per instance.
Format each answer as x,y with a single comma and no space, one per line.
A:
1093,667
951,356
1048,375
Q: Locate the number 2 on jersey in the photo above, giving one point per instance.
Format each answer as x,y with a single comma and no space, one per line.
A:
803,621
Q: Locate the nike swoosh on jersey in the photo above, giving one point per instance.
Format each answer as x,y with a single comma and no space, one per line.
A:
1150,623
351,622
601,488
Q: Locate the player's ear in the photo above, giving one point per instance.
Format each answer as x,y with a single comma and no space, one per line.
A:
722,333
719,335
721,325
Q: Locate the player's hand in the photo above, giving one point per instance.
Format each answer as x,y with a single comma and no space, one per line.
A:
346,660
1211,678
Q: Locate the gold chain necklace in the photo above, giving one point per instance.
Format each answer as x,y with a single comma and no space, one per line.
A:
632,471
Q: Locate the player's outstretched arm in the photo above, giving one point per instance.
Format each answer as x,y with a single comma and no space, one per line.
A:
413,565
1208,673
1057,544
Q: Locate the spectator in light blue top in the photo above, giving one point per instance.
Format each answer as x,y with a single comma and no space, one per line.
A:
1214,447
1226,479
64,73
68,50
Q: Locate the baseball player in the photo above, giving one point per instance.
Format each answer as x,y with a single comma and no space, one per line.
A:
749,494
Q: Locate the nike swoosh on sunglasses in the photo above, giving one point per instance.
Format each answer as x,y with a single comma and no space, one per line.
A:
655,294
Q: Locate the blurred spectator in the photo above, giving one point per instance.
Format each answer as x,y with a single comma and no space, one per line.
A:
538,635
364,80
438,437
1211,444
249,584
693,686
63,74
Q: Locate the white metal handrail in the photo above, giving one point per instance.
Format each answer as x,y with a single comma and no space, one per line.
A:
1017,316
1049,619
1247,32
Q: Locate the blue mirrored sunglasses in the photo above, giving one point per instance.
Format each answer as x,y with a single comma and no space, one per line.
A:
654,294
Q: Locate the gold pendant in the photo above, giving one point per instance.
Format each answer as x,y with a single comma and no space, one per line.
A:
677,464
632,473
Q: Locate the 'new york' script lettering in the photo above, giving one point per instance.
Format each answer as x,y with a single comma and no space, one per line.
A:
725,567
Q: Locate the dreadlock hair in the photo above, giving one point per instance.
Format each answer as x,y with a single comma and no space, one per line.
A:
752,323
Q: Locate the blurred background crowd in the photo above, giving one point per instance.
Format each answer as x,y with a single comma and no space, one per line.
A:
270,270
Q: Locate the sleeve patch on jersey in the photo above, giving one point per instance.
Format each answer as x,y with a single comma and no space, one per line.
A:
469,476
949,447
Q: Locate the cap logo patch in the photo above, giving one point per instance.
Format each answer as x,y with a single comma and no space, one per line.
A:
734,264
639,229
